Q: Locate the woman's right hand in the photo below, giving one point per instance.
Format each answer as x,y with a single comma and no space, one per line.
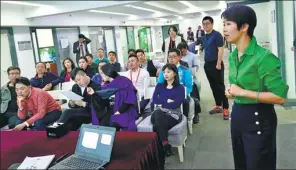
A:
227,93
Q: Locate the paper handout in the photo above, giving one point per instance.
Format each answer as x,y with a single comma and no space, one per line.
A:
41,162
71,96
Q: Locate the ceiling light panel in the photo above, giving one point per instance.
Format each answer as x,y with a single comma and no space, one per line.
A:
23,3
114,13
141,8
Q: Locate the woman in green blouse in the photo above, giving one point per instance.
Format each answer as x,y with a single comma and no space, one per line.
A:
255,85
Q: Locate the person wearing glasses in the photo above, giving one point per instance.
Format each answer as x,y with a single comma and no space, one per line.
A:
256,85
214,68
9,99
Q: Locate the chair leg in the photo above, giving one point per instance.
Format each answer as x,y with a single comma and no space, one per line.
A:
190,124
180,152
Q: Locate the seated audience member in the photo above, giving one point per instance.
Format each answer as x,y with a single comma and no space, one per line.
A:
130,52
68,67
112,59
167,98
34,106
191,59
140,79
185,77
125,102
98,77
82,62
9,106
100,56
90,63
152,66
44,80
82,108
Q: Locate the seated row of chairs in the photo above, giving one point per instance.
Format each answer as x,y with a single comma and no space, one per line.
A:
177,135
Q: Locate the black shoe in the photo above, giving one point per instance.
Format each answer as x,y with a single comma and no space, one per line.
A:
196,119
168,151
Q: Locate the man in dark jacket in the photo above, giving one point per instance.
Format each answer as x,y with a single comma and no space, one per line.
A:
8,115
80,47
80,111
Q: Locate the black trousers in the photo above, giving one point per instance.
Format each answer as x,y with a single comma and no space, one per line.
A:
216,80
8,118
253,134
195,96
162,123
75,117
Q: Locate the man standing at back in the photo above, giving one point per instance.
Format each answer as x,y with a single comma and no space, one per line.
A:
214,68
80,47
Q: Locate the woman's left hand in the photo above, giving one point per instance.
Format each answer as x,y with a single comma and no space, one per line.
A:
235,90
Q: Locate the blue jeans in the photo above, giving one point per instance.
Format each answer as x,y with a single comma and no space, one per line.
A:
46,120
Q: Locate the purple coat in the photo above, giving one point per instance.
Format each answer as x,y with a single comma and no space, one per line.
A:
126,93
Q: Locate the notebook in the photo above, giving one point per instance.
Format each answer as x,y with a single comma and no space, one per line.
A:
41,162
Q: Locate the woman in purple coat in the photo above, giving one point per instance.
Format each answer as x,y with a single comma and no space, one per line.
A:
125,101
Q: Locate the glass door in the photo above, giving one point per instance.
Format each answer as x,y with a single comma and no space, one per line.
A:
109,39
65,38
96,34
131,37
124,44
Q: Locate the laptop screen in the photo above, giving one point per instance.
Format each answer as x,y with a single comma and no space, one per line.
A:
96,142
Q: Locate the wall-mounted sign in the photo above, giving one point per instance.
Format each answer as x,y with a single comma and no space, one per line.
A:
24,45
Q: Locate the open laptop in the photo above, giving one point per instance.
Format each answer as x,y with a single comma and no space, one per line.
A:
93,148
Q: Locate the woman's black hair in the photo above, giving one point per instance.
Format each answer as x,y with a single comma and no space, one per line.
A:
41,63
72,64
241,14
76,71
84,58
173,68
174,28
109,70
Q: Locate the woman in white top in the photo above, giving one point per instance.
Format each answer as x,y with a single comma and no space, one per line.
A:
171,42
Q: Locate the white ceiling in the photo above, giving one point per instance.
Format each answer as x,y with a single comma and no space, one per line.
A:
162,9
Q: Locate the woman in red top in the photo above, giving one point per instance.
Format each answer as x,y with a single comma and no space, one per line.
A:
68,65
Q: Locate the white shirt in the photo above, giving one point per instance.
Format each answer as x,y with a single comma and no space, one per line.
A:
141,82
82,90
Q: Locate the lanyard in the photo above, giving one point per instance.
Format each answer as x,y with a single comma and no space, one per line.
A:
131,75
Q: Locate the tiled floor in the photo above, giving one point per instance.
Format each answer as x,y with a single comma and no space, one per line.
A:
210,146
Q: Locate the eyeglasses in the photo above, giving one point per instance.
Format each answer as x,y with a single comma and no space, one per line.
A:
207,23
14,74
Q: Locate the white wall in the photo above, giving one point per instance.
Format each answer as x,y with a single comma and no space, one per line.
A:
157,39
12,16
25,58
273,29
262,30
289,55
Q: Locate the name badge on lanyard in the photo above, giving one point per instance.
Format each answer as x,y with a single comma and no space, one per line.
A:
131,76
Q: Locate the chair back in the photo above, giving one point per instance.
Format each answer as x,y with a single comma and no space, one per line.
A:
153,81
148,92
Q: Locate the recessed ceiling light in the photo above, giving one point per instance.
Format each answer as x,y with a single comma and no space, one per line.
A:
141,8
106,12
179,17
190,5
23,3
157,5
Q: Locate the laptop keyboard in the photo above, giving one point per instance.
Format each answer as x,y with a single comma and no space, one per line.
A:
81,163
